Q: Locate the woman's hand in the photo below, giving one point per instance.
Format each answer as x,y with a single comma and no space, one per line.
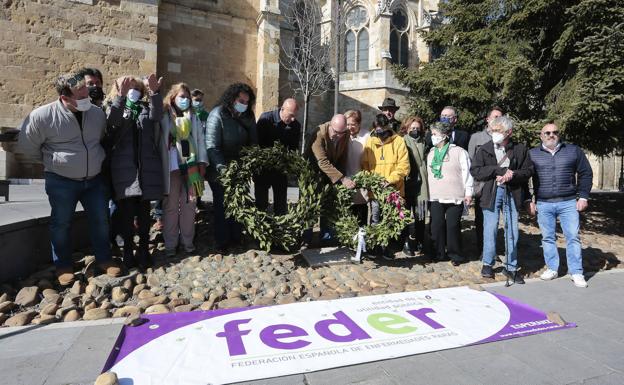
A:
153,84
123,85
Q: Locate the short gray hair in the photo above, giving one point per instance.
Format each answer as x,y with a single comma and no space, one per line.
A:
455,112
444,128
503,121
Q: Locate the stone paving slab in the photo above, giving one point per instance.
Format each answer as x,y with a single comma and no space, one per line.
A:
327,256
74,353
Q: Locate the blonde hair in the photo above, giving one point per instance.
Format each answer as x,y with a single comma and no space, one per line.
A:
169,101
355,114
114,91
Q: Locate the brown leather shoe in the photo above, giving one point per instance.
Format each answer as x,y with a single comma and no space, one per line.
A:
65,276
110,268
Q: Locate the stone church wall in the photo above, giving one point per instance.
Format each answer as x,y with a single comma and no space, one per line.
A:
41,39
208,44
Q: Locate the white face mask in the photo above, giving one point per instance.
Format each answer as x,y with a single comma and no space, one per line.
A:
134,95
435,139
240,107
83,104
498,138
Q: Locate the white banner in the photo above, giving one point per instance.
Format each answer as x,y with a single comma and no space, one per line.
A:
226,346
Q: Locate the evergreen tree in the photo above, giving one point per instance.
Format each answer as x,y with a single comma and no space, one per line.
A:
540,60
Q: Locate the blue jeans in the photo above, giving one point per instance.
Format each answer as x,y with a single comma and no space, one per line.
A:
63,195
490,229
547,213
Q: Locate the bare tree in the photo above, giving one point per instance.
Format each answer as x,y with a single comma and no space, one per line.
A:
307,56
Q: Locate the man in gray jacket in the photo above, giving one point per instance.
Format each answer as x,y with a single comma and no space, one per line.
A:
477,140
66,135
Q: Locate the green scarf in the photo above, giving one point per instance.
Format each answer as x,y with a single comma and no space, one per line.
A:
201,114
438,158
135,108
188,165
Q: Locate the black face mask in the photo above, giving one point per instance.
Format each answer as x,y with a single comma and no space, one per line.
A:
415,134
95,93
383,134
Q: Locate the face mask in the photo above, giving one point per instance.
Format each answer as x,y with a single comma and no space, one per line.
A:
182,103
498,138
197,104
83,104
445,119
240,107
134,95
415,134
96,93
435,139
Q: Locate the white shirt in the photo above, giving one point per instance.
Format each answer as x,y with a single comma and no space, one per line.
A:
354,152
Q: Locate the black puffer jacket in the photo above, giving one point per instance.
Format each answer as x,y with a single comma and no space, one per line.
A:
134,149
485,168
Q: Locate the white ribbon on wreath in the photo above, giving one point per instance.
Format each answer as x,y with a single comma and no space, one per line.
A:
361,244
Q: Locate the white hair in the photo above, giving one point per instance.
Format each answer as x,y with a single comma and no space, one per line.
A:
503,121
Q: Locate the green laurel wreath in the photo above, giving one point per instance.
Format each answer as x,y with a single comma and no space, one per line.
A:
272,230
393,217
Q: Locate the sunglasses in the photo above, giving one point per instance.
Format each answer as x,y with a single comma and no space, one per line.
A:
549,133
74,80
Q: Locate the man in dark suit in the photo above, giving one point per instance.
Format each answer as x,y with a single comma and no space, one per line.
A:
458,137
279,125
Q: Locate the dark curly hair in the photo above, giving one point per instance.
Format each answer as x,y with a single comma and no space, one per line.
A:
231,93
380,121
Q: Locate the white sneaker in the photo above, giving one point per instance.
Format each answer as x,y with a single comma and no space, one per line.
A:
549,275
579,280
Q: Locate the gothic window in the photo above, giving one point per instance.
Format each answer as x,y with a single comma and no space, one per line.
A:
356,40
399,37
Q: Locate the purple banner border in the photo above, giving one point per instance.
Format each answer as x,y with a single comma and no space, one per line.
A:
133,337
521,313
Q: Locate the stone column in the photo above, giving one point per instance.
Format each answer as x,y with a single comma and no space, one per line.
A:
383,30
268,56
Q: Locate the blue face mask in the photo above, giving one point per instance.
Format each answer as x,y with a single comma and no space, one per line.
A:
240,107
182,103
197,104
445,119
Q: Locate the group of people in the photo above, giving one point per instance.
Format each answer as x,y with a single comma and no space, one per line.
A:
440,172
117,154
136,146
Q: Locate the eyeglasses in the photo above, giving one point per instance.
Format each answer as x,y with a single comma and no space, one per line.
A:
549,133
339,133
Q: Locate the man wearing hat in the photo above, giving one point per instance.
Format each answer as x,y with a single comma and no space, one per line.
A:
389,108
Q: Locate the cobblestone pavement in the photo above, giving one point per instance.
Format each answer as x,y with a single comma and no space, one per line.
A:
250,277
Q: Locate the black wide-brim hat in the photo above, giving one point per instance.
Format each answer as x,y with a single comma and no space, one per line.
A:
389,103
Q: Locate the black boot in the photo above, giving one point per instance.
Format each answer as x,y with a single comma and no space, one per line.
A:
386,253
128,255
513,276
408,248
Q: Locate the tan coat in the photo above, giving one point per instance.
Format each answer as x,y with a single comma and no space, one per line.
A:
330,157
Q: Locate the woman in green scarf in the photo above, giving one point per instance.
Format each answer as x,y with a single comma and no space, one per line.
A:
450,191
133,136
185,158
